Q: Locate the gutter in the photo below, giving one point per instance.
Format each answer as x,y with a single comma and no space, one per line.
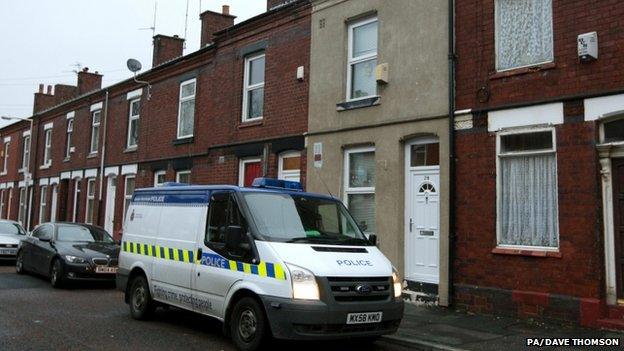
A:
452,60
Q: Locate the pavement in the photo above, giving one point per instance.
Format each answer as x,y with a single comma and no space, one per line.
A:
426,327
34,316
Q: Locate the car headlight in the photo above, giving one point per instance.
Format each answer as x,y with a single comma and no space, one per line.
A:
74,259
303,283
398,284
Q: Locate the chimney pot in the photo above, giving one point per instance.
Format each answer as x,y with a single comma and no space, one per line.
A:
225,9
40,88
49,90
86,69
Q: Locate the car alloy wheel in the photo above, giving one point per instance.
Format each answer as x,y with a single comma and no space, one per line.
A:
56,274
19,263
247,325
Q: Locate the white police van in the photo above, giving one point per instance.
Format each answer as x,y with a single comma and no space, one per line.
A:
270,260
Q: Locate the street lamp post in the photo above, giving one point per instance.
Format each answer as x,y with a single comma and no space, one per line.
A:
27,174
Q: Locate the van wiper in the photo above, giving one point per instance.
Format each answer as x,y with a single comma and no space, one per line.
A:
304,239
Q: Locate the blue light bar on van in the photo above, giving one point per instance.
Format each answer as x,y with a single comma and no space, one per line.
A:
276,184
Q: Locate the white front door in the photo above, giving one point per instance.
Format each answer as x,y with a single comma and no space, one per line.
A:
111,189
53,208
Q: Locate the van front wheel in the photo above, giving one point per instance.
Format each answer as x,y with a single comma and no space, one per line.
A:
248,325
141,304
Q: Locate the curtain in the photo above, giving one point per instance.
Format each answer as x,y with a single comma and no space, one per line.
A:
524,33
529,201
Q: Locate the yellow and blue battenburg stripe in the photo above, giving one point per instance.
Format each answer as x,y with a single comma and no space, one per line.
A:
263,269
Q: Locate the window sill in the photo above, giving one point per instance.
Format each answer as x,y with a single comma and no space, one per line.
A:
130,149
526,252
523,70
248,124
182,141
356,104
67,159
92,155
46,166
3,173
21,170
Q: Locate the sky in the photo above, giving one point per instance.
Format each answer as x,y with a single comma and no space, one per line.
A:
44,41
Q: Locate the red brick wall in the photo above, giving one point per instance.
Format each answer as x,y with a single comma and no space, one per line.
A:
476,52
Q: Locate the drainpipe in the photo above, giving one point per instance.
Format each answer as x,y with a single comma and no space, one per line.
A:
103,155
452,59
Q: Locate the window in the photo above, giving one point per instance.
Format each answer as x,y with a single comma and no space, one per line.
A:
9,203
68,142
90,201
76,197
253,87
524,33
290,166
128,191
613,131
186,110
95,131
183,177
527,189
360,187
2,204
43,205
160,178
25,151
21,215
248,170
133,123
47,152
424,155
224,212
361,81
5,158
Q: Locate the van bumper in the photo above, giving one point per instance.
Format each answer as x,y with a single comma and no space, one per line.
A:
316,320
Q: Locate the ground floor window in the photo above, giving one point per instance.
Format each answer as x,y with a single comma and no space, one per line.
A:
76,198
249,169
2,204
128,191
90,201
290,166
21,215
359,186
160,178
183,177
43,205
527,189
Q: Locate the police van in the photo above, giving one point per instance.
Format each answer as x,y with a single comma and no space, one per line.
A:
267,261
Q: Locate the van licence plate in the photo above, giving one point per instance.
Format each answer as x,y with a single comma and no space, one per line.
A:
8,251
105,269
364,318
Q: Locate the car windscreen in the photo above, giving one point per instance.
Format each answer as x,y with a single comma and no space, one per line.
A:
302,218
11,228
83,234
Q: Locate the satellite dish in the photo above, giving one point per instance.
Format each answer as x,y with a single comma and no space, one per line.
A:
134,65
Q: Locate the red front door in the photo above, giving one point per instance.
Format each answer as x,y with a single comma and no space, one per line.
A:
252,170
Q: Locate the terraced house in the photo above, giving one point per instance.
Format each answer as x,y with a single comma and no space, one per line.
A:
231,111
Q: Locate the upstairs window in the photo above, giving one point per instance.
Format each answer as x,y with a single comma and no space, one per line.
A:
186,109
95,131
253,91
5,156
47,151
68,139
524,33
26,151
361,82
133,123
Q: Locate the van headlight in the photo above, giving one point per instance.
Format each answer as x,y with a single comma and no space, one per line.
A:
398,284
303,283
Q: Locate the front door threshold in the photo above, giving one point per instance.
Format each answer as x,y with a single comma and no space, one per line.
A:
421,293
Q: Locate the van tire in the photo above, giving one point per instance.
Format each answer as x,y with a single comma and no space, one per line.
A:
248,325
142,306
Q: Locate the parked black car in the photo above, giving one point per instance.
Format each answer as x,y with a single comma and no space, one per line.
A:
69,252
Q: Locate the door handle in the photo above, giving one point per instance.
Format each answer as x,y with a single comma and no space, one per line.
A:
199,254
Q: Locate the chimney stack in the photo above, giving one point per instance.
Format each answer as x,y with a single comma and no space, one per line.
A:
43,101
64,92
271,4
166,48
213,22
88,82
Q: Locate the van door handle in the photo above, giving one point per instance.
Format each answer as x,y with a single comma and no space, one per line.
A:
199,254
410,224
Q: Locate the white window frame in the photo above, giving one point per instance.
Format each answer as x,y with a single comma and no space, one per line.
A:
47,148
127,197
247,88
43,205
76,198
5,162
499,154
497,25
280,170
181,100
68,141
25,152
2,192
157,174
9,203
95,135
132,118
241,168
184,172
90,201
347,190
352,61
21,212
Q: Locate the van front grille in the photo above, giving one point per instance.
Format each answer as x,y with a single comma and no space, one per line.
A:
360,288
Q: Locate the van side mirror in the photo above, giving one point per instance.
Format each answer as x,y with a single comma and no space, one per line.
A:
373,239
234,236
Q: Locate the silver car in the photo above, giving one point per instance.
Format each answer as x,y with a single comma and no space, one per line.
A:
11,233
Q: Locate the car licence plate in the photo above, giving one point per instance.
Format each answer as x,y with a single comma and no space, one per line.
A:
8,251
105,269
364,318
